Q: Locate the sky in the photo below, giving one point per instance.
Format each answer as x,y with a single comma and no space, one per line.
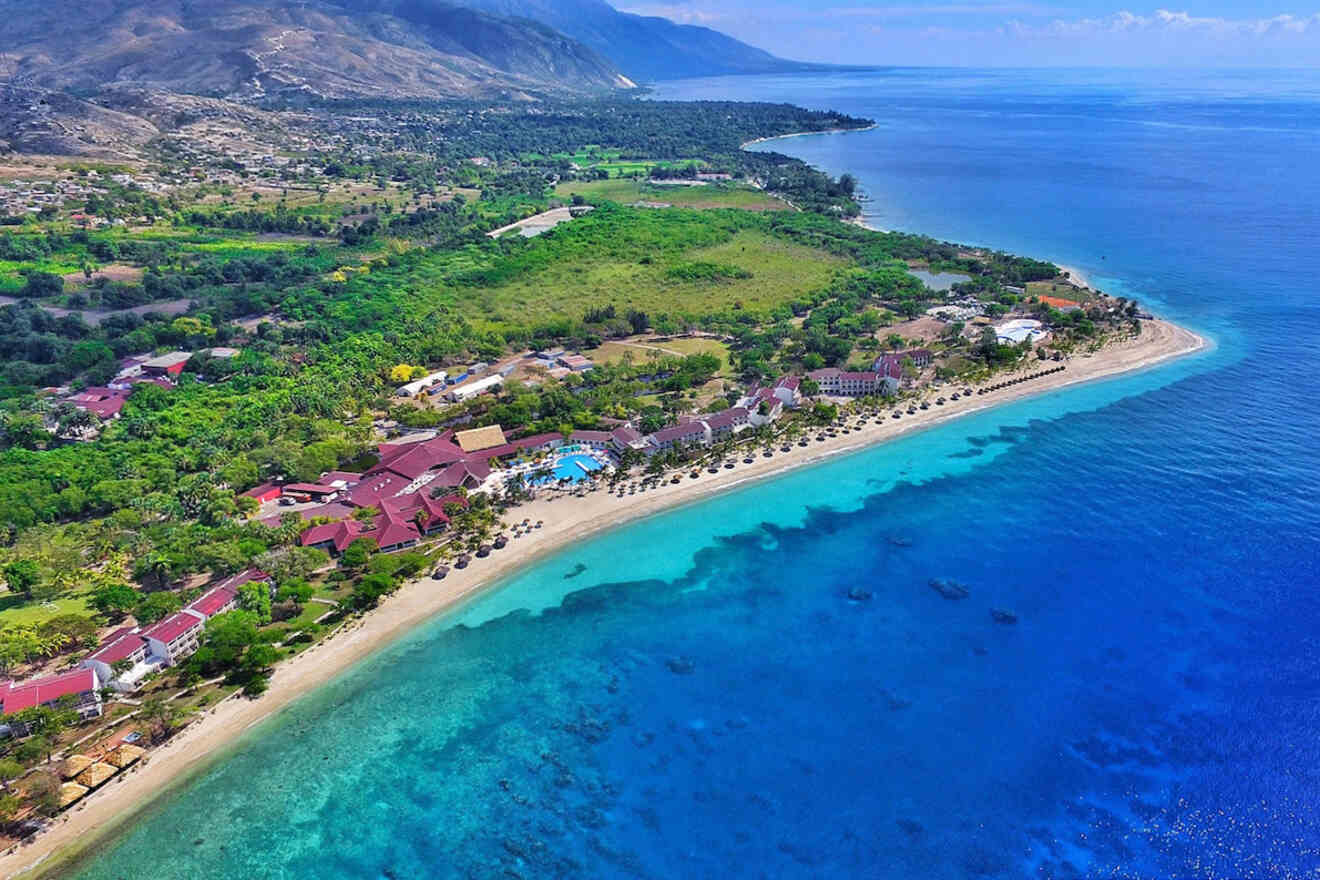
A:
1013,33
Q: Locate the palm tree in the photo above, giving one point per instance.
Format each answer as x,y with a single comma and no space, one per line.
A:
161,716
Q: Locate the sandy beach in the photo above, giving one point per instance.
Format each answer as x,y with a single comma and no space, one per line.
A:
566,520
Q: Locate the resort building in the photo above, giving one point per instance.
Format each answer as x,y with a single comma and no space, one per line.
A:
763,406
176,637
627,437
788,390
124,645
78,688
401,523
167,365
417,386
596,441
477,439
726,423
460,393
264,493
843,383
309,491
104,403
169,641
1020,330
682,436
921,357
333,538
575,362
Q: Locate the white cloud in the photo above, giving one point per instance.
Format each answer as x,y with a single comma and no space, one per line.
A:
1164,21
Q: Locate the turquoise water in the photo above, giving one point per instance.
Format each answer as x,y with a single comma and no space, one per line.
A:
698,695
575,467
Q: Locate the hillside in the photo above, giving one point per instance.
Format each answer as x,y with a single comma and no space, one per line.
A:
247,49
643,47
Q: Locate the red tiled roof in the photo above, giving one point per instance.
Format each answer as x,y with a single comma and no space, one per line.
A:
626,435
118,645
105,403
889,367
340,534
460,472
726,418
392,528
789,382
515,446
411,460
173,626
371,490
678,432
262,490
310,489
589,436
17,696
333,510
210,602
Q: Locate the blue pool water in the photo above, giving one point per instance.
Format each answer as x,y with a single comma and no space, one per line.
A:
696,695
575,467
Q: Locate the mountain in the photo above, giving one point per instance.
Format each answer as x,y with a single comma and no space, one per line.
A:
644,47
246,49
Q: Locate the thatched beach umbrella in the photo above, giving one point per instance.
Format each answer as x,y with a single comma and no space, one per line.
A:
75,764
96,774
71,792
463,561
484,550
501,541
125,755
440,572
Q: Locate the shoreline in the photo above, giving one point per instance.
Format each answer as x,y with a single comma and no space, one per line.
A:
794,134
1075,275
567,520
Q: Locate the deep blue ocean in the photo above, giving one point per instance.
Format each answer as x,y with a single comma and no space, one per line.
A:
695,696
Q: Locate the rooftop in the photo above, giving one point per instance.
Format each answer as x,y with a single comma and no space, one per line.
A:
164,361
17,696
173,626
118,645
480,438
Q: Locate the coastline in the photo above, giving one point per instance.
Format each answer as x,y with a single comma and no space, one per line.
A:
567,520
794,134
1075,275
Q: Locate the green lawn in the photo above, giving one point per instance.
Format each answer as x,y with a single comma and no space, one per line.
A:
712,196
780,271
15,611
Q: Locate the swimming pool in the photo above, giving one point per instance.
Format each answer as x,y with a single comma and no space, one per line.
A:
575,467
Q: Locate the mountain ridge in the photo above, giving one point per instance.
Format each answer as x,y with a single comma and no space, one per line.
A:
245,49
646,48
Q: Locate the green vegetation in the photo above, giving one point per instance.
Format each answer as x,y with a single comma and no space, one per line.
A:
631,190
675,266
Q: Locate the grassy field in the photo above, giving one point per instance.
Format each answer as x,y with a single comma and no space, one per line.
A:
1062,291
703,197
14,611
640,350
779,272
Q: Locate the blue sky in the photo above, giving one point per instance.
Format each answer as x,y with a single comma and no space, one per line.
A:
1013,32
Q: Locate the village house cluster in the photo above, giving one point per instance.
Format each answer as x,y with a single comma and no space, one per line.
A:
106,402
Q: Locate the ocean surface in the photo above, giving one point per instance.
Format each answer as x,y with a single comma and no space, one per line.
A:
695,696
